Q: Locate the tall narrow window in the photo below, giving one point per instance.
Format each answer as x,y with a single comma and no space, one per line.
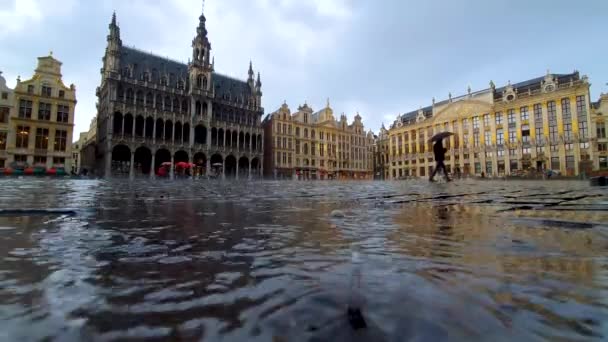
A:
523,112
601,130
63,113
44,111
4,114
42,138
23,135
3,137
476,122
553,134
511,116
498,116
61,137
46,91
581,112
25,109
567,118
486,120
500,137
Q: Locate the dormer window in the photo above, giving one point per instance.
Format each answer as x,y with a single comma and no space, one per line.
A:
146,76
163,81
180,84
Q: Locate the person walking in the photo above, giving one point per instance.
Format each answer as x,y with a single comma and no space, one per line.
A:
439,152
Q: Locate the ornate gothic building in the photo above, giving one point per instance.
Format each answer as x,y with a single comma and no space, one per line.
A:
153,111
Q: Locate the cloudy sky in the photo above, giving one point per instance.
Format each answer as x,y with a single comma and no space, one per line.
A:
378,57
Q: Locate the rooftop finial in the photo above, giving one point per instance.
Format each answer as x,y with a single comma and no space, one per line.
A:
469,89
328,102
548,72
114,18
51,53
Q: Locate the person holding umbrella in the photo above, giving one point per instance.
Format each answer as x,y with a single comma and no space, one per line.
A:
439,151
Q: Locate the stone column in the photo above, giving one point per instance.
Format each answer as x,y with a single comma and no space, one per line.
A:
251,143
108,170
173,130
122,131
208,166
238,138
249,175
144,133
262,171
132,166
171,171
224,168
237,169
154,130
152,170
133,130
191,136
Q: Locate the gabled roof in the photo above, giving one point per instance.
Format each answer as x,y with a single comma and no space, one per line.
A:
145,61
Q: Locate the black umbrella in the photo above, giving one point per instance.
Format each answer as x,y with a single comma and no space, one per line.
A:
440,136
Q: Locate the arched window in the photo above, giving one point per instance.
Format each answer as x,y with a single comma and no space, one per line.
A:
204,82
163,81
305,132
297,131
305,149
176,105
184,106
159,102
180,85
199,81
146,76
149,100
312,134
120,93
139,98
167,103
130,95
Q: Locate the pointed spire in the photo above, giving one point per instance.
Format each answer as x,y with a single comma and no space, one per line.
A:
327,102
201,29
114,18
250,69
258,83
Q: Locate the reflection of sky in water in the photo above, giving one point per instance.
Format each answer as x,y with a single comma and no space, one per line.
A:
252,261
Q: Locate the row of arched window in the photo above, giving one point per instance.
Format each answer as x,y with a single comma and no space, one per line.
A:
154,76
166,131
149,100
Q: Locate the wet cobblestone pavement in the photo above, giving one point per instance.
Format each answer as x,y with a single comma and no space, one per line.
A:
189,260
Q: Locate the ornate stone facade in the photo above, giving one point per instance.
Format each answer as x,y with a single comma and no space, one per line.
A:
539,124
41,123
153,111
307,145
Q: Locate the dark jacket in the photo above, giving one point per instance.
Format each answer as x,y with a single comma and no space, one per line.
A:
439,151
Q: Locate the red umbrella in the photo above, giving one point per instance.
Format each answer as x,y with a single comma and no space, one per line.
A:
183,165
29,171
52,171
166,164
8,171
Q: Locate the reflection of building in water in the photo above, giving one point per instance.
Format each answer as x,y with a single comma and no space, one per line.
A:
42,119
307,145
542,123
153,110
